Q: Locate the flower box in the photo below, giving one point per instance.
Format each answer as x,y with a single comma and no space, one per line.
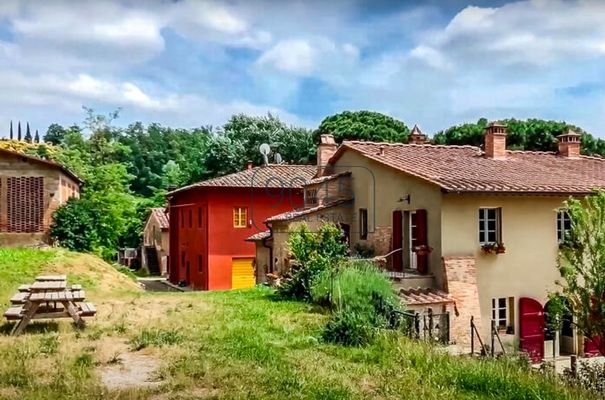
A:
493,248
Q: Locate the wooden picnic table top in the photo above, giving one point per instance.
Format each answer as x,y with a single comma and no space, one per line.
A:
47,286
46,278
66,295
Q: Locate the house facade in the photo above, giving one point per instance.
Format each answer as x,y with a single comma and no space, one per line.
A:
156,242
31,189
210,220
461,229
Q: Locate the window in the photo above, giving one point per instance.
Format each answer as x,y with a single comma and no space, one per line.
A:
312,196
190,218
182,212
563,225
240,217
363,223
502,313
199,217
490,225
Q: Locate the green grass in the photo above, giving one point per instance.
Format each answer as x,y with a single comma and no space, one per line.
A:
239,345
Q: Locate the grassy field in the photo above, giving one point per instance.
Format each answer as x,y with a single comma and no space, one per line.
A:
225,345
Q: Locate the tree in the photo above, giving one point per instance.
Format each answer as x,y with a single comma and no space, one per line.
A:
72,225
28,134
55,134
530,134
363,125
582,268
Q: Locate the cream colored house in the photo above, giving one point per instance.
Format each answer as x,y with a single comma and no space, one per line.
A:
156,242
468,230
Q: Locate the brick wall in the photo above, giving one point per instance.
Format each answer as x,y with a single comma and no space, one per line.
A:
460,281
33,192
380,238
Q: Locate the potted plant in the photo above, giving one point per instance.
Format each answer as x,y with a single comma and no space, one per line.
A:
493,248
422,249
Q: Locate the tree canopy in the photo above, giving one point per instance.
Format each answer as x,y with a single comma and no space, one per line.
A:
362,125
530,134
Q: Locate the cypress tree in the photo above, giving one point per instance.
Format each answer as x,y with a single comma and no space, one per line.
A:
19,131
28,134
11,131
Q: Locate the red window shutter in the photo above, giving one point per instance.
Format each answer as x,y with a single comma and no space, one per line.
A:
422,258
397,240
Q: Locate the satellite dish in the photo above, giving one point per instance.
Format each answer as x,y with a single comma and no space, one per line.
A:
265,149
278,159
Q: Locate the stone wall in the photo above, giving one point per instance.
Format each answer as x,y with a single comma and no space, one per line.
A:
461,283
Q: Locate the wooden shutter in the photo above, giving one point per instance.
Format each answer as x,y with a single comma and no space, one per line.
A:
397,240
422,258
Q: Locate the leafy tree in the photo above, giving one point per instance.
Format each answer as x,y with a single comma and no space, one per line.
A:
363,125
72,226
54,134
582,267
530,134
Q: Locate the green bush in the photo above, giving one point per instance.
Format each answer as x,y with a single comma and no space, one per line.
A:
72,225
314,252
348,328
363,298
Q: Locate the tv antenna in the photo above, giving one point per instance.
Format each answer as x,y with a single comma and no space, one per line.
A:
265,150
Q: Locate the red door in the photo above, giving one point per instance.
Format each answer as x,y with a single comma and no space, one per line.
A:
397,240
421,236
531,328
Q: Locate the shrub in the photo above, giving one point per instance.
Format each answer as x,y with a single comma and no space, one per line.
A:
314,252
589,376
72,224
363,250
364,301
349,328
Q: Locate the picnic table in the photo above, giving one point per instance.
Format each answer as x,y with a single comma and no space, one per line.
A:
48,298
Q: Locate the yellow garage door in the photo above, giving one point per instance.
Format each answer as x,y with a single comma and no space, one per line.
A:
242,273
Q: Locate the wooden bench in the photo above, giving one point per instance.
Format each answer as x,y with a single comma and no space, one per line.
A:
24,288
20,298
87,309
14,313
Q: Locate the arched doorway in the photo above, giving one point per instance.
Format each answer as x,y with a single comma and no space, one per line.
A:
558,334
531,328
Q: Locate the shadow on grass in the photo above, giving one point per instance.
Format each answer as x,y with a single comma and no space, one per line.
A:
33,327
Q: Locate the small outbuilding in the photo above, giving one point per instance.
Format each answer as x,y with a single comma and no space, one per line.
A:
156,242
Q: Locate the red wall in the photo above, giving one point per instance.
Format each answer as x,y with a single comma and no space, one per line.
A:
217,241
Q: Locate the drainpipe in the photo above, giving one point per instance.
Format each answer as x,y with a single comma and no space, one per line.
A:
264,242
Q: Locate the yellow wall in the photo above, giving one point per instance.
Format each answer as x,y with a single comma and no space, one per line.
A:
378,189
529,233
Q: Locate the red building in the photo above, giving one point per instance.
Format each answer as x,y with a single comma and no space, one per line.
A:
210,220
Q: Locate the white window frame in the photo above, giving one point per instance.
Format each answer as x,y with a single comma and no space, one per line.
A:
562,218
484,219
496,308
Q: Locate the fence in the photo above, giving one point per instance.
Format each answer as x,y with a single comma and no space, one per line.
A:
430,327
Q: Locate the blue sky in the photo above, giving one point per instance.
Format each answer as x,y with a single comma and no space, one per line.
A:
191,62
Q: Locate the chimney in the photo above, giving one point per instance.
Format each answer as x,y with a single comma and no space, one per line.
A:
249,165
495,141
381,151
569,144
416,136
326,149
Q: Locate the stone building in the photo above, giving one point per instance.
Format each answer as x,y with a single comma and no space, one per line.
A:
156,242
31,189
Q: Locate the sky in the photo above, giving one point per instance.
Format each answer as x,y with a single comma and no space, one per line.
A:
193,63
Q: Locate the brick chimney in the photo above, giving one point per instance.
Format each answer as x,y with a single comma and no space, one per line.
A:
416,136
495,141
326,149
569,144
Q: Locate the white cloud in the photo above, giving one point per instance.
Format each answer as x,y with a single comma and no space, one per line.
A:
296,56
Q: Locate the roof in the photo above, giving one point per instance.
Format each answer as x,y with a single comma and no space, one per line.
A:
326,178
161,216
258,236
289,215
39,160
424,296
465,169
276,176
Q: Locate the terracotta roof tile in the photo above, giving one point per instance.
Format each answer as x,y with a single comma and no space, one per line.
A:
161,216
326,178
288,215
424,296
465,169
269,176
258,236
